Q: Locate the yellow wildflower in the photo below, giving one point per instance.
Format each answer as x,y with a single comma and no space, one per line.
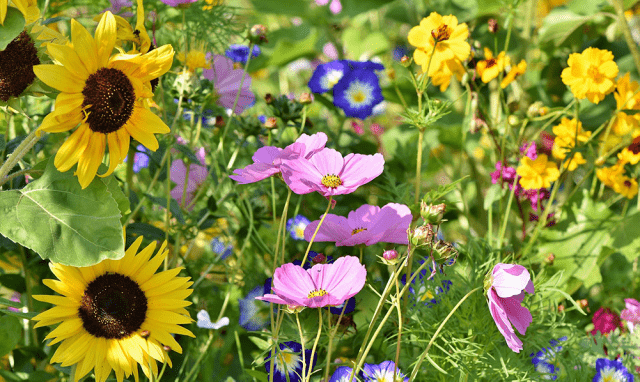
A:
627,95
514,72
591,74
567,133
573,163
439,39
538,173
624,124
491,67
608,175
625,186
449,68
195,59
631,154
28,8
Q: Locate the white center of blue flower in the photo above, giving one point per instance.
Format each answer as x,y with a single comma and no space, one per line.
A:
611,374
298,230
386,376
331,78
359,94
288,362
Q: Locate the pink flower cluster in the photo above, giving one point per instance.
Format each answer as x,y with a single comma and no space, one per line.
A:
505,293
367,225
307,166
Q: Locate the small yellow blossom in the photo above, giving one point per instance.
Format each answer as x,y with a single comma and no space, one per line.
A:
538,173
573,163
567,133
591,74
624,124
439,39
608,175
627,95
514,72
491,67
195,59
631,154
449,68
625,186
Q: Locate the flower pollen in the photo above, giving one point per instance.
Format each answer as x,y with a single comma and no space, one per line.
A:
442,33
113,306
109,100
358,230
331,181
317,293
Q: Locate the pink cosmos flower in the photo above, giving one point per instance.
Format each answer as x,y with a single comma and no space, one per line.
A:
632,313
330,174
267,160
335,7
367,225
505,295
197,175
226,81
322,285
605,321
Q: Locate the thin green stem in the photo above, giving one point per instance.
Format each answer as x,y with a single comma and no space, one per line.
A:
419,165
19,153
317,229
416,368
315,343
505,216
626,32
304,360
196,365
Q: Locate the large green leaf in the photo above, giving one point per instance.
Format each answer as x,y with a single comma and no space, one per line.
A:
559,25
287,50
62,222
116,193
286,7
12,27
355,7
10,332
358,41
626,237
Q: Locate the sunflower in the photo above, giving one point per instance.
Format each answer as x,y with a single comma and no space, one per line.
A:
105,94
28,8
117,314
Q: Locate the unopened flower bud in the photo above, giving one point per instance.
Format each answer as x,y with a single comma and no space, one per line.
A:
306,98
543,111
549,259
319,259
268,98
422,235
583,303
443,250
167,348
258,34
271,123
219,121
405,61
390,257
432,214
493,26
514,120
560,308
600,161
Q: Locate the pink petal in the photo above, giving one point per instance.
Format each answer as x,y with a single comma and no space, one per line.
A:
301,176
343,279
363,217
391,225
360,169
312,143
178,172
266,154
511,279
328,162
502,322
334,228
335,7
292,282
276,299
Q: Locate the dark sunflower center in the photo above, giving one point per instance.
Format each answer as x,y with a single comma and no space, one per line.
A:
113,306
108,98
16,66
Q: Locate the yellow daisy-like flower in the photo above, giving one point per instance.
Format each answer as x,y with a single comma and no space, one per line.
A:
625,186
117,314
491,67
573,163
627,95
568,132
538,173
608,175
449,68
195,59
28,8
631,154
139,35
591,74
448,37
624,124
514,72
104,94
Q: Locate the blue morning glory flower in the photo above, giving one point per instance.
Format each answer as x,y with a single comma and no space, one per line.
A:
221,249
383,373
140,158
296,226
326,76
357,93
544,360
288,361
262,118
351,306
611,371
342,374
426,291
254,314
240,53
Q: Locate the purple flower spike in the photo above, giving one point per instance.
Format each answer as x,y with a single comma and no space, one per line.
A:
330,174
505,293
322,285
367,225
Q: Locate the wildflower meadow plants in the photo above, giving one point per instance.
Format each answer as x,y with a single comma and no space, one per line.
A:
319,190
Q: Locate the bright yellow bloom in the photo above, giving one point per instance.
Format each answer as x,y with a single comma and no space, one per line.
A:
608,175
138,36
448,37
627,95
211,4
631,154
514,72
625,186
442,78
624,124
491,67
28,8
538,173
105,95
573,163
117,314
567,133
195,59
591,74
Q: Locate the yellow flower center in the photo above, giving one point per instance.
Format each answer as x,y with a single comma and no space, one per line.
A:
442,33
594,73
331,181
491,62
357,230
359,97
317,293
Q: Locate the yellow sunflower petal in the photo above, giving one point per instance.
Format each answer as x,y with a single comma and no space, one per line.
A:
71,150
68,57
85,46
59,77
91,159
105,38
65,330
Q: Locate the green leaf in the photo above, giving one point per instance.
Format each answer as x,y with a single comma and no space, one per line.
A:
355,7
287,50
14,282
358,41
187,152
116,193
13,26
559,25
281,7
10,332
60,221
26,316
173,206
13,304
259,375
626,237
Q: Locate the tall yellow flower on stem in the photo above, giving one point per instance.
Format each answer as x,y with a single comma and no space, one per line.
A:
537,173
591,74
568,132
103,93
491,67
117,314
